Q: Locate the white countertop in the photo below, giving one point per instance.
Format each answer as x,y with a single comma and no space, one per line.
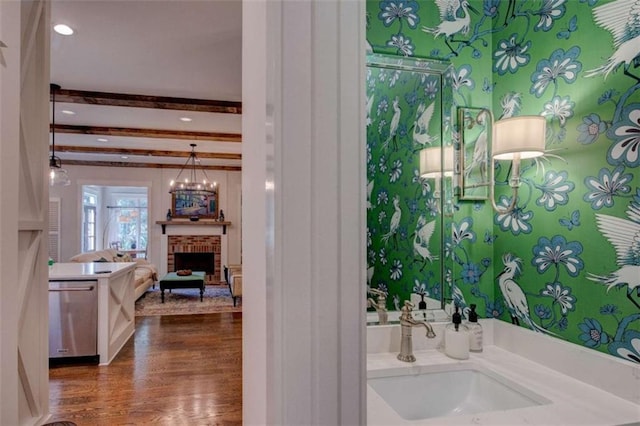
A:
572,402
89,270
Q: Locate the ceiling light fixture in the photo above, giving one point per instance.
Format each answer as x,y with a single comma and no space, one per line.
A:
63,29
57,175
102,140
192,183
186,119
68,112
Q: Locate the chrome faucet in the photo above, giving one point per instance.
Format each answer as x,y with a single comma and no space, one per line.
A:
380,305
406,324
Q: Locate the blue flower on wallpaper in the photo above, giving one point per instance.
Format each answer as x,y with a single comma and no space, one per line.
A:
591,3
431,89
626,134
560,64
510,55
383,105
383,256
432,207
470,273
555,190
423,183
590,128
516,221
461,78
551,10
382,216
490,8
396,270
561,295
402,44
382,128
463,232
368,237
629,347
494,309
592,334
411,97
395,76
419,288
382,164
383,197
609,309
559,108
390,10
542,311
608,185
557,252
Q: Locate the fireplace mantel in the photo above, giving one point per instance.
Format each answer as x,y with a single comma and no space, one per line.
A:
201,222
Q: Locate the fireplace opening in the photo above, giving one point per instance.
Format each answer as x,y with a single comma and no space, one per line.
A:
195,261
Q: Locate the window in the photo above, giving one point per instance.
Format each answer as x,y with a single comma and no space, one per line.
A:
89,203
128,224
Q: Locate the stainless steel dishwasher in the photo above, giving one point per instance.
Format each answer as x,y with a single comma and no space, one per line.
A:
73,319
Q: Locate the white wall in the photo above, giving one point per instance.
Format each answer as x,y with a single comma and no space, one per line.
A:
157,180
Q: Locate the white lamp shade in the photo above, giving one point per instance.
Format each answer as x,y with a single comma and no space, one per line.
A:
431,162
523,135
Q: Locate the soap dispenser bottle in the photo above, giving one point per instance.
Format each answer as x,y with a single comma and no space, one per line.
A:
456,338
475,331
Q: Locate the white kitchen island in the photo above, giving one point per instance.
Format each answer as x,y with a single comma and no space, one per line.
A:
116,304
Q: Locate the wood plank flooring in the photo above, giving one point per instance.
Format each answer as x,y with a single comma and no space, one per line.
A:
176,370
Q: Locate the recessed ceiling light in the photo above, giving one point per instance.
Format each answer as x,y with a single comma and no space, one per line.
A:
68,112
185,119
63,29
103,140
124,157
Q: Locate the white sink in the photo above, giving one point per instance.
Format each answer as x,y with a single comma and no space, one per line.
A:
423,392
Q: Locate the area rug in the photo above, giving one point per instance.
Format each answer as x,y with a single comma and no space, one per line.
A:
185,301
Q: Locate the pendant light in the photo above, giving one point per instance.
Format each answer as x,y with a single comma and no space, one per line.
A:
190,182
57,175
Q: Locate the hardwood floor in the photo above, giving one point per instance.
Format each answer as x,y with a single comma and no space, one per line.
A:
176,370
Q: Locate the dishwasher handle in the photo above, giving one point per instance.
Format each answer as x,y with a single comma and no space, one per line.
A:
90,288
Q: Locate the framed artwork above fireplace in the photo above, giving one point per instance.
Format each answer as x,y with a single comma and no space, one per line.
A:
193,203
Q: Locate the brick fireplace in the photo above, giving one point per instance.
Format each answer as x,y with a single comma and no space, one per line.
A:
196,244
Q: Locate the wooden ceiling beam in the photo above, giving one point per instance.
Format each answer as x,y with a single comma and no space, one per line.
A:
145,101
146,152
147,133
142,165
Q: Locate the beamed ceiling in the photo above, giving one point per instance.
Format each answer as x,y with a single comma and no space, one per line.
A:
133,69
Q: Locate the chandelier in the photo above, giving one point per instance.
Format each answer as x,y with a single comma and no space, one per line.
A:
190,182
57,175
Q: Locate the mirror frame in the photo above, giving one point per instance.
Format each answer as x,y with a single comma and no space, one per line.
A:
475,151
444,69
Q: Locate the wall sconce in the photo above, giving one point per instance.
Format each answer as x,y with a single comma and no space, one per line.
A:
515,139
437,162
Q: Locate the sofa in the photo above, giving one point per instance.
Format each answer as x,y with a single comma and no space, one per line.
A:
233,277
146,273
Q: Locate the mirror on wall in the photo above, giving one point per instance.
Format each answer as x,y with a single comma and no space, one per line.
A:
475,127
410,159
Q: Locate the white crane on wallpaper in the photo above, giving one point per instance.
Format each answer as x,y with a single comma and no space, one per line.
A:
454,19
421,126
513,295
395,222
622,19
479,159
423,234
624,235
369,106
393,127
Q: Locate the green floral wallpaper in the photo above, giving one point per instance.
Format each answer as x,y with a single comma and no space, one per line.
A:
566,261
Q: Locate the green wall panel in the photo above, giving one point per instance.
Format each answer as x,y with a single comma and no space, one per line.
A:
569,254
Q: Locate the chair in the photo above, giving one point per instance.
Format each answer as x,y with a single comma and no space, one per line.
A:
233,277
